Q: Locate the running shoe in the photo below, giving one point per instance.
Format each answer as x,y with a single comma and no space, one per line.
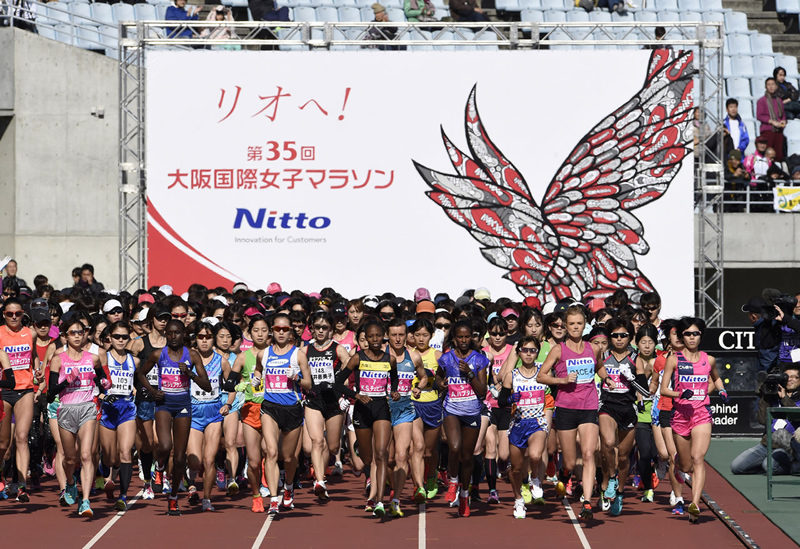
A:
194,495
569,487
536,489
551,469
616,505
99,483
648,496
493,497
519,509
288,498
526,492
166,486
463,506
84,510
233,488
141,471
694,512
586,511
22,494
378,510
258,505
172,507
264,491
11,489
183,486
62,499
672,499
121,504
206,503
370,506
611,489
273,506
337,470
48,467
662,469
148,492
442,479
679,508
637,482
561,490
431,488
474,493
655,481
3,494
72,494
420,496
367,486
221,485
451,496
158,482
109,489
605,503
680,476
395,511
320,490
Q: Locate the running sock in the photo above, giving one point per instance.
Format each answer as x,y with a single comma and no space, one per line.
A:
125,473
563,476
453,480
464,493
444,455
147,465
491,473
103,469
477,469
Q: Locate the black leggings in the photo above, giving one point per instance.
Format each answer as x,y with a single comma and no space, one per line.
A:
647,453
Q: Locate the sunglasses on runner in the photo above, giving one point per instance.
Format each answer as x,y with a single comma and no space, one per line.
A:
13,314
180,315
498,334
529,350
44,324
164,317
283,329
121,337
116,311
321,327
76,332
445,326
557,326
651,309
692,334
620,335
204,336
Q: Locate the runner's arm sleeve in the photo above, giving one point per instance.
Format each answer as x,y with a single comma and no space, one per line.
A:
640,384
341,378
394,380
99,376
54,387
230,383
502,398
8,382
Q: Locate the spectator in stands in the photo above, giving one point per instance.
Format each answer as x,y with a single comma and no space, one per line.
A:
11,274
224,32
88,280
382,33
467,11
178,12
76,276
660,33
788,94
795,178
771,114
266,10
615,6
419,10
735,127
757,164
736,180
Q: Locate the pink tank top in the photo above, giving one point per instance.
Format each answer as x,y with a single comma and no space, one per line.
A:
246,344
497,365
348,341
581,395
692,376
81,388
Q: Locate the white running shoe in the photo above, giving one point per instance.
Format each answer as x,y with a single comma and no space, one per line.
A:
536,489
338,470
264,492
672,499
519,509
148,491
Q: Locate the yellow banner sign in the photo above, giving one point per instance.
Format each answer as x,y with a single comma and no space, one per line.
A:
786,199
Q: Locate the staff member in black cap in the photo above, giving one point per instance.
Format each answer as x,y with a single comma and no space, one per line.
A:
766,340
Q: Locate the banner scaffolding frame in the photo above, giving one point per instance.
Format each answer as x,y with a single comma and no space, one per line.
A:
706,39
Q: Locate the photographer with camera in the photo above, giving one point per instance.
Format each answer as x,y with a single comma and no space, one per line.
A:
776,389
783,325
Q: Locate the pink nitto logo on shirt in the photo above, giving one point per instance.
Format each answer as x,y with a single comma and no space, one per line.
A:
373,384
404,380
459,390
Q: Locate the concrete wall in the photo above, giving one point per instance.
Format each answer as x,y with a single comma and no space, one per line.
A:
58,162
762,240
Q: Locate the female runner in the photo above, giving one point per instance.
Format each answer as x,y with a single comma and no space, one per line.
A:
324,417
528,432
73,376
575,363
465,371
231,426
376,375
409,365
173,402
17,341
283,369
117,424
690,370
341,335
496,441
646,339
207,414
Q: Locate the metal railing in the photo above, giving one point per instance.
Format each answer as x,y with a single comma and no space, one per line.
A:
771,414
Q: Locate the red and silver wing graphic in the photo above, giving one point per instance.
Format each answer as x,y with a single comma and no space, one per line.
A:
490,199
626,161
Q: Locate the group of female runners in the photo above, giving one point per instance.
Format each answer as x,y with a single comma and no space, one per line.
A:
260,386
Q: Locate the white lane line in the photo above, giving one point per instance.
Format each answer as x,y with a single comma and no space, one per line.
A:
421,530
111,522
263,533
576,525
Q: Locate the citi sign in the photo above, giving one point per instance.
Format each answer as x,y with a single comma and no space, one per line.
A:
274,220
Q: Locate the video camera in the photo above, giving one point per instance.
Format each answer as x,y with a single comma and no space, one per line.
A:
771,382
774,298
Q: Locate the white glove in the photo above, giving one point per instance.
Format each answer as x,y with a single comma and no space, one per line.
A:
625,370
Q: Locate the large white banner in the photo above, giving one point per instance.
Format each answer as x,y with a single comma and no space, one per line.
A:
298,167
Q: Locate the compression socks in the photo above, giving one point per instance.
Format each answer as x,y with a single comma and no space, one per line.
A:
491,473
477,470
147,465
125,472
563,476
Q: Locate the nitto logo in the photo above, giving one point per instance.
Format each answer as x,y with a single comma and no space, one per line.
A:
274,220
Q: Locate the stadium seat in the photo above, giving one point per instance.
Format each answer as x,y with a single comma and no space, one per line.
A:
577,16
46,32
161,10
792,130
305,14
761,43
553,5
64,33
530,4
693,5
787,6
691,16
599,16
713,16
559,35
349,15
763,65
145,12
666,5
736,22
396,15
508,5
81,11
327,14
727,66
742,66
757,85
555,17
671,16
645,16
123,12
367,15
485,36
746,109
393,4
738,88
532,16
713,5
102,13
88,38
738,44
57,12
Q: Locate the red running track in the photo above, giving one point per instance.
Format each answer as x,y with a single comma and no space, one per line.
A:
342,522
